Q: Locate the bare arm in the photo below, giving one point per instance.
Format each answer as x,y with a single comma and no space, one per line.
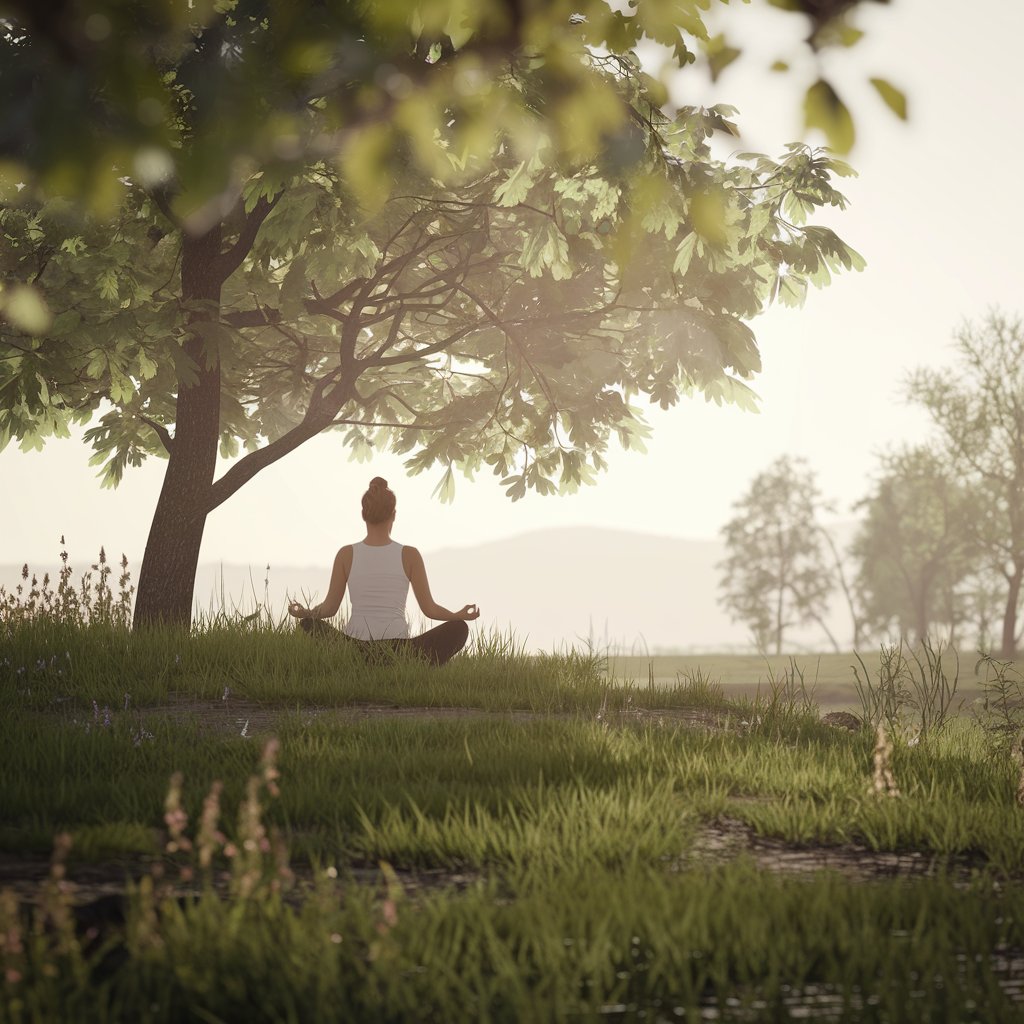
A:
335,592
412,562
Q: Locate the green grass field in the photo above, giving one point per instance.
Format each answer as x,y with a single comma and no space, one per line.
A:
509,838
742,675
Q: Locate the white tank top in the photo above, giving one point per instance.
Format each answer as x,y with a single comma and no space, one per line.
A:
378,588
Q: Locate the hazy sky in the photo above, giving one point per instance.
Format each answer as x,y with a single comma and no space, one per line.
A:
932,212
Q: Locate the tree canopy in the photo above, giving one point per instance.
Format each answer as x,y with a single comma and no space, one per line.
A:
201,91
978,413
520,314
913,548
469,234
776,573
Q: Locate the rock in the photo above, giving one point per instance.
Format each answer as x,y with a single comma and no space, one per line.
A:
843,720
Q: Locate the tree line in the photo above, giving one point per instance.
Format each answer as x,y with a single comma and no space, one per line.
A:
939,545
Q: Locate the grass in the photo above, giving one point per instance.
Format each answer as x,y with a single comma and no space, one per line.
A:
475,793
586,945
571,803
831,675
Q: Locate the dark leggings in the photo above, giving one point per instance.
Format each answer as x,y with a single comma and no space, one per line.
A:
436,646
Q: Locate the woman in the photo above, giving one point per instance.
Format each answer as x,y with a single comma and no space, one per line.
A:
377,572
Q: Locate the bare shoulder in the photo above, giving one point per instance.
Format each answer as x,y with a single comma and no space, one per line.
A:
412,563
344,557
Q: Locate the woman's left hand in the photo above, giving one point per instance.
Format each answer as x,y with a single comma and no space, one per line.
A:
296,609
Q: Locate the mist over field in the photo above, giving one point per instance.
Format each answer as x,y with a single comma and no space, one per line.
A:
630,592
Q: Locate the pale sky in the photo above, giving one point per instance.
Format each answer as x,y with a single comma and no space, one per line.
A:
932,212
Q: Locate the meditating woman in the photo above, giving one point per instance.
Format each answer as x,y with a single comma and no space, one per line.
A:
377,572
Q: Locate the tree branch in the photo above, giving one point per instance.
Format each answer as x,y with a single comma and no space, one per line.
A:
262,317
163,204
228,262
161,431
315,420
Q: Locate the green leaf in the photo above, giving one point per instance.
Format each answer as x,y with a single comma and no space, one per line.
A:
824,110
894,98
515,188
684,254
65,323
294,289
445,488
147,368
107,282
217,339
720,55
792,290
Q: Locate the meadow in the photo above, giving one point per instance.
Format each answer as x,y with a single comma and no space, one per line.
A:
829,676
241,824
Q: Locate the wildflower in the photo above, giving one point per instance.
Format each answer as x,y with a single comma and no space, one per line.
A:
226,693
245,728
210,837
883,782
175,816
267,763
127,699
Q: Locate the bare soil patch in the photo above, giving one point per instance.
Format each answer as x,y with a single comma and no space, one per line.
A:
726,838
235,715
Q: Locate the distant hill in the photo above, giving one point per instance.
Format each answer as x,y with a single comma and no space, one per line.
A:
634,592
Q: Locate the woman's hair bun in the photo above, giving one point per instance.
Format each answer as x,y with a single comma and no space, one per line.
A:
378,501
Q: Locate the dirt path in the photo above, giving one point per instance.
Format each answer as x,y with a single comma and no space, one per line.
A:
249,717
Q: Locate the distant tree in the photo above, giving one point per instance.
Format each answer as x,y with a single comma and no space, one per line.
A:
776,574
914,549
475,249
978,410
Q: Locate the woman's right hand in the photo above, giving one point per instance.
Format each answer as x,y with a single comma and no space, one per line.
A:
468,612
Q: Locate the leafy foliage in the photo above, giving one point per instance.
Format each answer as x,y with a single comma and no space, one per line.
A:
467,235
775,574
913,547
115,84
509,319
978,411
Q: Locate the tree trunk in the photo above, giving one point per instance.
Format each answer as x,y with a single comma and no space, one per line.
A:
1009,644
168,573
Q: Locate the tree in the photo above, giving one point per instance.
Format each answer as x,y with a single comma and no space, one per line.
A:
914,546
978,410
776,574
487,271
110,82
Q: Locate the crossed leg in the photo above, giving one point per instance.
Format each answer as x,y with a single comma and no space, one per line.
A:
441,643
436,646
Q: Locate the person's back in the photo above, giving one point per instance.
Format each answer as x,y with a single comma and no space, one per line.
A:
379,588
378,573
